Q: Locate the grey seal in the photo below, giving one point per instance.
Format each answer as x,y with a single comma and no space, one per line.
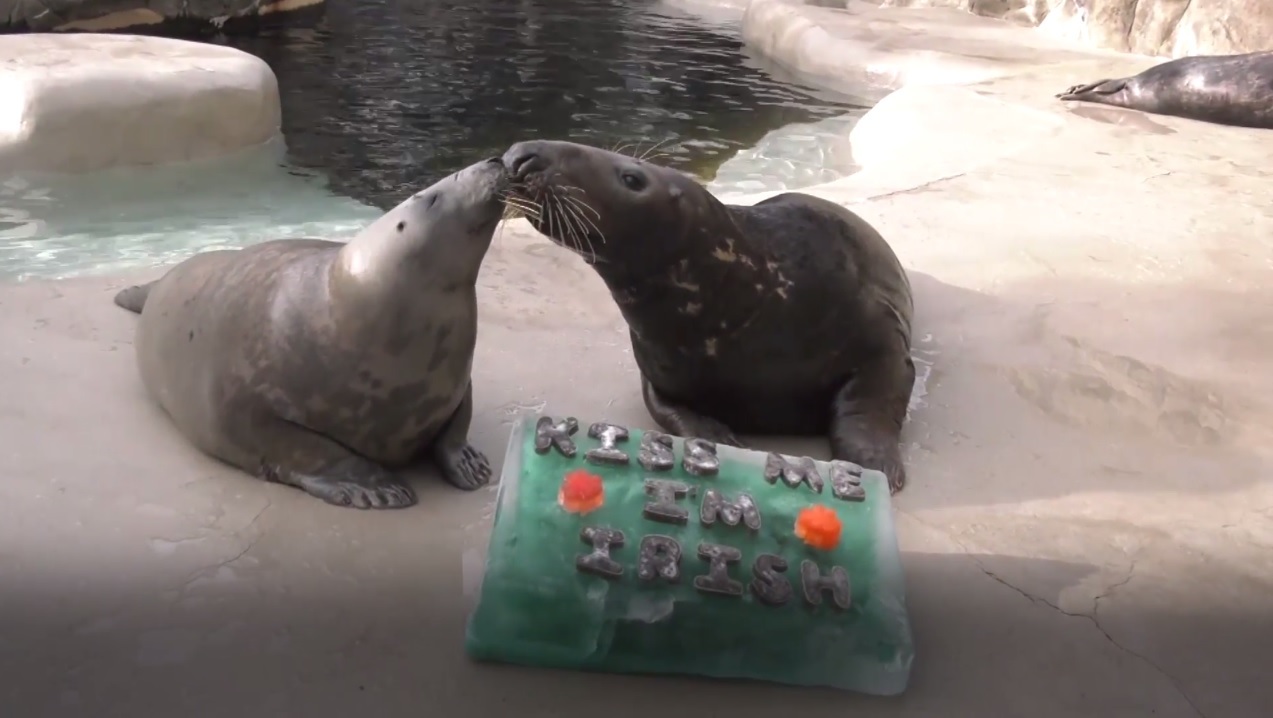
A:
1223,89
791,316
326,365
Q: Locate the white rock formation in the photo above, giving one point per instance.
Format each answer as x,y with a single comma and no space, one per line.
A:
76,103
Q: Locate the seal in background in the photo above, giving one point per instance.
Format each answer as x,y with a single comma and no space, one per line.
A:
1224,89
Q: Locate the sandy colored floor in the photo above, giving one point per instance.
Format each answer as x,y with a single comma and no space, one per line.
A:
1088,530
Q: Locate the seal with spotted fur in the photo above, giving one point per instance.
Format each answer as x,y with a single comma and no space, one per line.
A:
1223,89
328,366
791,316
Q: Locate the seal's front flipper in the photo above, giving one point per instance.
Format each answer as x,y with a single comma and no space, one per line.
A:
681,421
1098,91
867,416
134,298
322,468
462,465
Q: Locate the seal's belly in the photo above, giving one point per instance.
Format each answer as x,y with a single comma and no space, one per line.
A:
384,405
390,425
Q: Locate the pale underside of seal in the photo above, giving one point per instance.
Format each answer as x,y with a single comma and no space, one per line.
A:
1232,90
329,366
789,317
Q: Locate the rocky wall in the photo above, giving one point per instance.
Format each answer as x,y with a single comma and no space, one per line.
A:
164,17
1169,28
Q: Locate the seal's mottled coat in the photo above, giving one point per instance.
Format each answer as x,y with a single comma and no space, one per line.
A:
792,316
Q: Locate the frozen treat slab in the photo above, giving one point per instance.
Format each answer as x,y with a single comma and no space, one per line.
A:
82,102
633,551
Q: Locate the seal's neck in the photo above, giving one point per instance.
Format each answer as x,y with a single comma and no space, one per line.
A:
397,262
719,279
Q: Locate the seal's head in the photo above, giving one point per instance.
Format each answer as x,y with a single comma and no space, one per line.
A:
445,229
613,210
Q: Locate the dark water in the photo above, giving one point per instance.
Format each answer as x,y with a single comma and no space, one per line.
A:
384,96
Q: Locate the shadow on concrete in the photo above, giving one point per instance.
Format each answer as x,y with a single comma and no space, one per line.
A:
392,644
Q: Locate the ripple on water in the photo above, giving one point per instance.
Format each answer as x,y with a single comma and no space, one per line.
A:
385,95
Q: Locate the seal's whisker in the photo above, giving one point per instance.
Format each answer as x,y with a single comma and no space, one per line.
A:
521,203
582,205
550,211
653,147
579,229
569,188
575,234
619,148
586,221
564,228
571,236
523,206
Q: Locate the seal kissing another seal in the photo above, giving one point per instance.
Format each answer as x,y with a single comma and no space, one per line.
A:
324,365
792,316
1225,89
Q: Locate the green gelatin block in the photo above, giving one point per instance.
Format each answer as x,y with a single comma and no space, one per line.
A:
691,563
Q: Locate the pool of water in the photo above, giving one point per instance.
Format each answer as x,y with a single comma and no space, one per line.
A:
383,97
53,227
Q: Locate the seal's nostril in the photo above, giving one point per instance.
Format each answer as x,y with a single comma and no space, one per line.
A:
522,163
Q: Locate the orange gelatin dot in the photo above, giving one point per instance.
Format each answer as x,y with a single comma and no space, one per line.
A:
819,527
581,492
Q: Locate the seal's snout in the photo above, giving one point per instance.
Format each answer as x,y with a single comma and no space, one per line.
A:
522,159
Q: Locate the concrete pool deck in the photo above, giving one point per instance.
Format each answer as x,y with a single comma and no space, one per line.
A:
1088,528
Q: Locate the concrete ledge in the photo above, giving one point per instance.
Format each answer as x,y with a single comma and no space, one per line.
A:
76,103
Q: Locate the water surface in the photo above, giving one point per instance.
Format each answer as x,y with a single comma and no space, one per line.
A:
387,96
383,97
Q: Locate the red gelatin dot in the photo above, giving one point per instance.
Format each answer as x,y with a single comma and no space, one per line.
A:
819,527
581,492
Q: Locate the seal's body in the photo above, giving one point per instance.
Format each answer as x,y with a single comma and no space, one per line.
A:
1224,89
324,365
792,316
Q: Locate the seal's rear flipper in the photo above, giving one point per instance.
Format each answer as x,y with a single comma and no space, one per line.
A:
319,466
134,298
1094,92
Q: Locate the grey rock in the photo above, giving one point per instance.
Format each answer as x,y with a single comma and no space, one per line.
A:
158,16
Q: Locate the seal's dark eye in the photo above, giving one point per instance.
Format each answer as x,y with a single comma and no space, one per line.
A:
633,180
